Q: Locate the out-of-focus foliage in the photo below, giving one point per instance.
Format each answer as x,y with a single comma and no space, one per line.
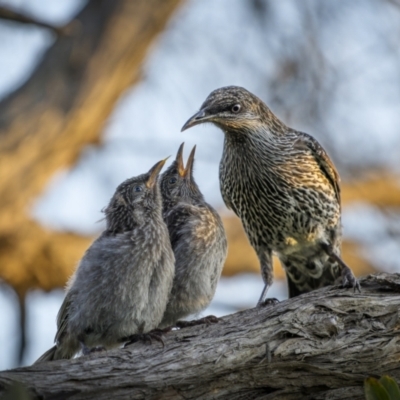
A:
17,391
385,388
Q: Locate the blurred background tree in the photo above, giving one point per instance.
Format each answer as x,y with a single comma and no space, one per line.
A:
47,121
73,126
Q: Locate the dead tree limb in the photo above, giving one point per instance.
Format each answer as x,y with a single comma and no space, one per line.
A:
316,346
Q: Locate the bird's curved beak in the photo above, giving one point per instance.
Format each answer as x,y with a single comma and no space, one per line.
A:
196,119
179,160
189,164
154,171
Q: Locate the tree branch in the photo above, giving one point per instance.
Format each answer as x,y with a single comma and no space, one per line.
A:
15,16
324,343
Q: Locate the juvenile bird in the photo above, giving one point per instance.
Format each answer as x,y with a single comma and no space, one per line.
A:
198,241
121,286
283,186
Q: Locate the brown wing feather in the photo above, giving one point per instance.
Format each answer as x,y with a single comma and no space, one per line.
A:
325,163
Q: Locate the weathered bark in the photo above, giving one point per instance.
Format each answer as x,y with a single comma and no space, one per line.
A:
317,346
45,124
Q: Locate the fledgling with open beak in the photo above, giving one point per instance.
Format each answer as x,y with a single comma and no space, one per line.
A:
283,186
122,284
198,241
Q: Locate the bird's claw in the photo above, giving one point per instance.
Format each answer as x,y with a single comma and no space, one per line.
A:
90,350
349,280
155,334
268,302
210,319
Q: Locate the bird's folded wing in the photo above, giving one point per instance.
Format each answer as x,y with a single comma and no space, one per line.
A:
323,160
176,221
192,236
62,318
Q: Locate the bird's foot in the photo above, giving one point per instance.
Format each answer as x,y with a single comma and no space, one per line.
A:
349,280
268,302
90,350
262,302
155,334
211,319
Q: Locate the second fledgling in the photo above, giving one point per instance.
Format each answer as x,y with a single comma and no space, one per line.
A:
198,240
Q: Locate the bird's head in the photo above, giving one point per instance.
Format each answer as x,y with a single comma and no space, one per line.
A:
177,182
236,110
232,108
133,200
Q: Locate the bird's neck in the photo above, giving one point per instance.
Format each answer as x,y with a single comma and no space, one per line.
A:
120,222
247,152
254,132
131,219
254,139
188,195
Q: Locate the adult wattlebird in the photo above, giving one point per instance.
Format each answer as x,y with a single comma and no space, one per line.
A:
284,188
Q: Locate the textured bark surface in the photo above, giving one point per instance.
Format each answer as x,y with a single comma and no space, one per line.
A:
45,124
321,345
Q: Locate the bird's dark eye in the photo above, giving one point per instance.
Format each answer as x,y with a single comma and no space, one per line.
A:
236,108
137,189
172,181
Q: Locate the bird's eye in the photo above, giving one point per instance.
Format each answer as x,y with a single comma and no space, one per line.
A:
236,108
137,189
172,181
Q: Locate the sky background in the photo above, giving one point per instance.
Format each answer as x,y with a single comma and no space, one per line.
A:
328,68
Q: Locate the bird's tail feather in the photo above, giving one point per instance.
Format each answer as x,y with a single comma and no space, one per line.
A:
301,275
293,289
49,355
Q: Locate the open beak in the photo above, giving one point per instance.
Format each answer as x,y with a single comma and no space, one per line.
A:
179,160
189,164
196,119
154,171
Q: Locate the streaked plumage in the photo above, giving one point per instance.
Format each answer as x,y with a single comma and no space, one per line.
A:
122,284
283,186
197,238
